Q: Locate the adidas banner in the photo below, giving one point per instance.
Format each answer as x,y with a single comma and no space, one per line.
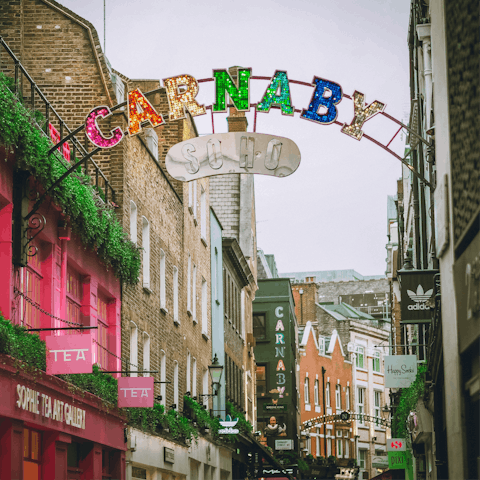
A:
417,290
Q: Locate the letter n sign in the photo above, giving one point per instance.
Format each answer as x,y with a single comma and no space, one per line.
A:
69,354
135,392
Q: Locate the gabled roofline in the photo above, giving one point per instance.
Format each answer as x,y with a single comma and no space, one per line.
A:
333,340
94,40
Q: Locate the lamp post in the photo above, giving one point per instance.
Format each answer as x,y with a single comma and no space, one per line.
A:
215,370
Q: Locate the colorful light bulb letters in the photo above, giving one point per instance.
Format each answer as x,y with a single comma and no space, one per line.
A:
94,133
140,110
183,89
224,84
181,93
362,114
277,93
327,94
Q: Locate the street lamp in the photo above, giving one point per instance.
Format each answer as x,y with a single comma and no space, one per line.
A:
216,371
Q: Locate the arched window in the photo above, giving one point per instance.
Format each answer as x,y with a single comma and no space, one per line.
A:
133,349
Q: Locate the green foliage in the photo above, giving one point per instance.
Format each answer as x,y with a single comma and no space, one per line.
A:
243,424
408,401
200,416
91,219
156,420
18,343
100,384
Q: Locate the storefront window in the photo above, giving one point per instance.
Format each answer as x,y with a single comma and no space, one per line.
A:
102,317
31,454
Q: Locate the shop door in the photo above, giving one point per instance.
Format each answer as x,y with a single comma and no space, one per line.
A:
32,454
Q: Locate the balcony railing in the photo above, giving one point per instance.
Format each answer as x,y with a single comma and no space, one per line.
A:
50,122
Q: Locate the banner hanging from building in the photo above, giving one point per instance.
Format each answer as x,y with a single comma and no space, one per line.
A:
417,287
69,354
135,392
400,370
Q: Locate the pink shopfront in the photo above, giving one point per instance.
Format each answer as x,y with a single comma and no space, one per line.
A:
46,430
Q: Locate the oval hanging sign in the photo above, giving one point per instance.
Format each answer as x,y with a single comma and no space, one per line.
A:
238,152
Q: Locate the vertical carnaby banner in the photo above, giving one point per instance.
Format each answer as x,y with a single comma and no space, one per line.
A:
135,392
69,354
417,290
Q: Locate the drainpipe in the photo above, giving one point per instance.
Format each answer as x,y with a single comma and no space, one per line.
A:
324,413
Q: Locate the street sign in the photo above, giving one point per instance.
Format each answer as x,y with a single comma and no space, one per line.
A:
234,152
397,460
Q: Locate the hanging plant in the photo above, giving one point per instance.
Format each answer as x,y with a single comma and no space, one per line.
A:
94,222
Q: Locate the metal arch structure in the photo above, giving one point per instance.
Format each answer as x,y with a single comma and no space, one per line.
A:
340,418
385,147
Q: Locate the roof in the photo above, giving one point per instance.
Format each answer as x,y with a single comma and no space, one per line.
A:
330,276
343,311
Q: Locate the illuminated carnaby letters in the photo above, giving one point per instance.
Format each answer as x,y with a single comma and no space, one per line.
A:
182,90
280,351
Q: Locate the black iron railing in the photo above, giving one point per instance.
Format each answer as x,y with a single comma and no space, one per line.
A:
51,123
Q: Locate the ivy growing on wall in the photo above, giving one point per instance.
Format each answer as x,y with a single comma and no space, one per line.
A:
94,222
408,401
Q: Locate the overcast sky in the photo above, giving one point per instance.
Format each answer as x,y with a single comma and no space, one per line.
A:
331,213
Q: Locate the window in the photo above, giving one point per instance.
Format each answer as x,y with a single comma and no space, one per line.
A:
359,361
175,384
146,252
133,222
259,326
146,353
339,448
204,307
152,141
175,295
32,454
377,398
347,448
347,398
194,292
74,300
376,361
194,201
205,387
261,380
306,390
163,378
329,446
189,281
316,395
317,443
194,377
327,395
163,297
133,350
188,372
321,345
338,397
361,404
102,323
362,454
190,196
203,214
215,277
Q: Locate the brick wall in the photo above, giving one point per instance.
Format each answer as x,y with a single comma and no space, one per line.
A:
330,291
305,309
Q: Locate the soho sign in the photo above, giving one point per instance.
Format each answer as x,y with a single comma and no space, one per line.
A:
181,93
